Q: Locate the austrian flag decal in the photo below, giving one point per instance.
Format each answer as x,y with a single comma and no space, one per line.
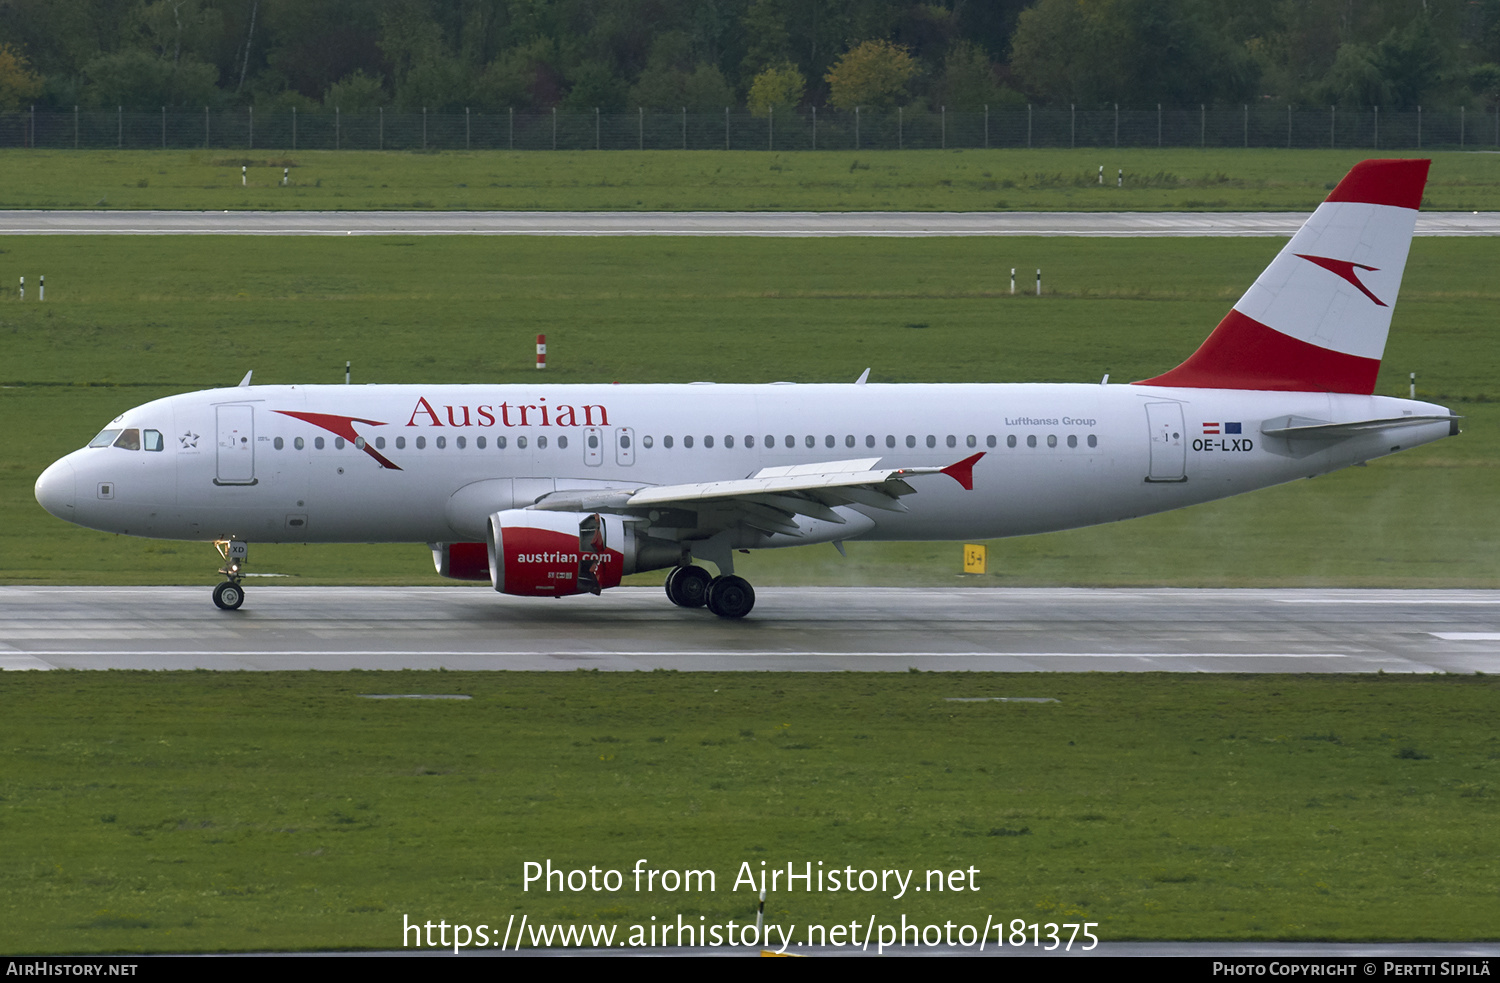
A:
1215,429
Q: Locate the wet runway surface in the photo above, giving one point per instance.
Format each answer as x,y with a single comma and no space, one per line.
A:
805,629
789,224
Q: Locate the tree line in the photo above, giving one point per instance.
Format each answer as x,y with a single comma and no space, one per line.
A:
705,55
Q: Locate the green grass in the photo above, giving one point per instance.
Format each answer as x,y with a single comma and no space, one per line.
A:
131,319
238,811
920,180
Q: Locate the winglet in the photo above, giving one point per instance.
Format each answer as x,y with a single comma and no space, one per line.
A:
863,377
963,471
245,382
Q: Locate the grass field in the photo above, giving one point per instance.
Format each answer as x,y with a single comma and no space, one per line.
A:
131,319
920,180
226,811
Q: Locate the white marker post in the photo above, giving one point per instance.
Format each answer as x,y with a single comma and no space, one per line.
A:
541,351
286,176
1012,281
41,289
23,288
760,916
1120,178
1413,385
1038,283
243,179
347,366
1101,175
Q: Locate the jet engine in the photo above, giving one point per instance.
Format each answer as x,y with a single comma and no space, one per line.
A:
533,553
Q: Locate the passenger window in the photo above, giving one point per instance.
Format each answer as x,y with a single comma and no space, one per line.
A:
790,441
299,444
541,442
911,441
890,440
500,443
562,442
594,442
129,440
1052,440
931,441
810,440
461,443
153,441
400,443
1010,441
953,441
647,441
338,443
708,441
479,442
1072,440
1093,441
869,440
973,441
441,442
667,441
849,440
380,443
277,443
729,442
828,441
687,442
1031,440
520,443
105,438
749,440
360,442
990,441
318,442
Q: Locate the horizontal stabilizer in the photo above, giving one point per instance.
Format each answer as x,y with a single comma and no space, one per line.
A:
1297,428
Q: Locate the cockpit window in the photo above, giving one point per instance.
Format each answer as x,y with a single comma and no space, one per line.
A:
129,440
151,440
105,438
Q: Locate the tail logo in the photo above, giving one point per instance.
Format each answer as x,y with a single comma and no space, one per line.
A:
1344,268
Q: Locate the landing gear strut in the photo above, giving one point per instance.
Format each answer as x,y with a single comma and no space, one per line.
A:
230,595
727,597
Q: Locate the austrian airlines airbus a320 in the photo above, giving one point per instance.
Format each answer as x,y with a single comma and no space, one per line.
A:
556,490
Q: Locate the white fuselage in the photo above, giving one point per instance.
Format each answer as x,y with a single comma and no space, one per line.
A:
235,465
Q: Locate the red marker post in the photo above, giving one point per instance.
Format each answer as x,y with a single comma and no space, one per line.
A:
541,351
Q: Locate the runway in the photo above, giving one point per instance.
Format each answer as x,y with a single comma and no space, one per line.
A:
772,224
804,629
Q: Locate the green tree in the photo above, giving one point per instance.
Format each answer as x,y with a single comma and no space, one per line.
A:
779,85
356,93
968,80
874,73
18,84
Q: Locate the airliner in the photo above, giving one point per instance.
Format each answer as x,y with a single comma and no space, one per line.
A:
549,491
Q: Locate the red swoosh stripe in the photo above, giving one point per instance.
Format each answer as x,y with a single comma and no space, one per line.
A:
343,426
1344,268
1242,353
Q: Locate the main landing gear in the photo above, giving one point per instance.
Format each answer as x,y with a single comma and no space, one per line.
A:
727,597
230,595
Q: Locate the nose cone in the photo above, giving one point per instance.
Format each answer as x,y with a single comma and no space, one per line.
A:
57,488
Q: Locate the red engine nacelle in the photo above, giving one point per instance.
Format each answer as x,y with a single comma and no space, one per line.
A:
553,554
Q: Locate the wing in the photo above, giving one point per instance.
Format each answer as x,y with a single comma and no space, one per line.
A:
770,500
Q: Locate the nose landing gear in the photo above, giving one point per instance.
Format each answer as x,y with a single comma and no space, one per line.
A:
230,595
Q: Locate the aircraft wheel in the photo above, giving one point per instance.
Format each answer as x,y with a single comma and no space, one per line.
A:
687,587
229,596
730,597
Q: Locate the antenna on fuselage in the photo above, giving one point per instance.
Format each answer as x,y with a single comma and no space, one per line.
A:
862,377
245,382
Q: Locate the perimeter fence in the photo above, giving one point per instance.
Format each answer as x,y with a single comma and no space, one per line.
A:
1029,126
